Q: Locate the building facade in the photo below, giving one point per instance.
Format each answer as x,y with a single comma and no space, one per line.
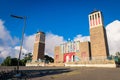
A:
72,52
96,49
39,46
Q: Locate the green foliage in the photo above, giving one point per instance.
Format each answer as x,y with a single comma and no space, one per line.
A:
48,59
7,61
14,61
118,60
28,58
117,57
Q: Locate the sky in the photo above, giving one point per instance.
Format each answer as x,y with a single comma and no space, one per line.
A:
59,19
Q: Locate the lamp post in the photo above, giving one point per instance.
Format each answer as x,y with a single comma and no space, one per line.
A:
23,30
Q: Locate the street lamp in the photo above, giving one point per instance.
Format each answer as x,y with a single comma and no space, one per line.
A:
23,30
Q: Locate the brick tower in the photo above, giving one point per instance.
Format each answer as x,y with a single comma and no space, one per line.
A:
99,46
39,46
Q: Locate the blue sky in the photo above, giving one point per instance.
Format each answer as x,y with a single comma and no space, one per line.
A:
66,18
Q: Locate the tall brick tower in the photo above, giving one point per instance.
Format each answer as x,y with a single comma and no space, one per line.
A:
99,46
39,46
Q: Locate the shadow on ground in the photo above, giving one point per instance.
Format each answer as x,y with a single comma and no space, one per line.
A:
27,74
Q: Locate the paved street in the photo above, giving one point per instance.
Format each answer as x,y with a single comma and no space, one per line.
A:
67,73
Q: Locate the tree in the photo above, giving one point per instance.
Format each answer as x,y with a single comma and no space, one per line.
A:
117,54
28,57
48,59
7,61
117,57
14,61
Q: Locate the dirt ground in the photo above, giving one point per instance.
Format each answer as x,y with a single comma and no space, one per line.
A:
68,73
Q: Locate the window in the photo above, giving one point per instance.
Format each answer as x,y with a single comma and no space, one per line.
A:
93,17
90,17
98,15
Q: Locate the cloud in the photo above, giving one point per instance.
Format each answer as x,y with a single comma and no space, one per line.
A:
5,37
113,35
8,51
7,43
52,40
81,38
29,42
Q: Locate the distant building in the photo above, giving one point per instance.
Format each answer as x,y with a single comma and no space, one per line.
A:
96,49
39,47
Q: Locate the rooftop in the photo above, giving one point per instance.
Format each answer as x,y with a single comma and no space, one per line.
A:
40,32
94,11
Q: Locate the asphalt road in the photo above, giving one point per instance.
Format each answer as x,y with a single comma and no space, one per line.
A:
68,73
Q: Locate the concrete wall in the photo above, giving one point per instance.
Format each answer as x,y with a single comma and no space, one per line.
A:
91,65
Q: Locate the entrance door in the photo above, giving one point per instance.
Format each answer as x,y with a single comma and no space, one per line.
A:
72,58
67,58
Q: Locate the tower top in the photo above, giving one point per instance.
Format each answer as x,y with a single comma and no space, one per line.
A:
40,37
95,19
95,11
40,32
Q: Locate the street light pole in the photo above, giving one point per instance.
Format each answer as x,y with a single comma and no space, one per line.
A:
21,43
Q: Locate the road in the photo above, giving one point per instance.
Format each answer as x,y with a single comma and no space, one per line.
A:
68,73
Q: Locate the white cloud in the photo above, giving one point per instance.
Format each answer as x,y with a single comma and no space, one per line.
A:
29,42
5,37
81,38
18,49
8,51
6,43
113,34
52,40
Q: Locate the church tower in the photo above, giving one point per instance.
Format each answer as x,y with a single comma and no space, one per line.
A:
39,46
99,46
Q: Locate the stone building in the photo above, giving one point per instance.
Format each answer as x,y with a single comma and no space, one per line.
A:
96,49
98,39
93,53
39,47
72,52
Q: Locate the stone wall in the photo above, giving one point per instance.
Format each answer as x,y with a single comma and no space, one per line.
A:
85,53
38,51
58,56
98,42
